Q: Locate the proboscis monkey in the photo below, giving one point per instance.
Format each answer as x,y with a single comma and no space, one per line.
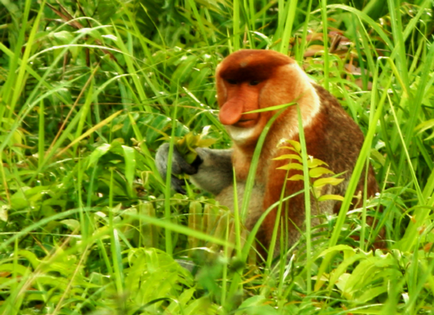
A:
248,80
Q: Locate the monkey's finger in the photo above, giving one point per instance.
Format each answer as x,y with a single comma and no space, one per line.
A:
177,185
181,166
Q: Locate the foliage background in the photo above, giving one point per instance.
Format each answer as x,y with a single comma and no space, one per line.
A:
89,90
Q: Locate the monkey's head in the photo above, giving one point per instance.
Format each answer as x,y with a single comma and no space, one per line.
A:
248,80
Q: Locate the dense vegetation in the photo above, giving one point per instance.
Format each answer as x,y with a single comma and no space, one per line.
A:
90,89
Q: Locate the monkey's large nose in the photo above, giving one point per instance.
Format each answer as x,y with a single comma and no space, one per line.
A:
231,111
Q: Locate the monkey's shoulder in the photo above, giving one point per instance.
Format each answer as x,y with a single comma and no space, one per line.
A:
333,111
326,98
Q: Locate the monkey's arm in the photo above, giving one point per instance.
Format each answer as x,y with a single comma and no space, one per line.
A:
211,171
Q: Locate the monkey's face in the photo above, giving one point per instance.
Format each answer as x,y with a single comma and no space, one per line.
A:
249,80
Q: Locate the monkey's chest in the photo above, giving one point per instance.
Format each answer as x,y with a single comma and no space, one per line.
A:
226,198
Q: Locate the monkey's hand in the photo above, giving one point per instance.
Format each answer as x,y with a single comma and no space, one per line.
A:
211,170
179,166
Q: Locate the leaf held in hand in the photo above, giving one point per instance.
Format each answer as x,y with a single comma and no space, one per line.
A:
186,145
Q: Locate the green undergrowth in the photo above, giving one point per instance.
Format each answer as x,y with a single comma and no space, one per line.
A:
90,89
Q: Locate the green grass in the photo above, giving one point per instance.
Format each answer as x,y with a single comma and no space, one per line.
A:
89,92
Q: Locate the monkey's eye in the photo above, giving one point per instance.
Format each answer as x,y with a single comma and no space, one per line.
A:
254,82
230,81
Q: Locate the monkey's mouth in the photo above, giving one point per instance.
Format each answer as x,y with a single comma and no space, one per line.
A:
247,120
245,123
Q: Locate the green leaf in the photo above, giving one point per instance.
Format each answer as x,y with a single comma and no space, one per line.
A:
342,281
184,299
14,10
369,294
425,125
295,144
429,137
291,166
97,153
256,305
64,37
296,177
27,196
130,163
4,213
351,256
288,157
331,197
31,257
71,224
18,269
319,171
107,10
371,277
205,143
327,181
348,250
312,162
186,145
